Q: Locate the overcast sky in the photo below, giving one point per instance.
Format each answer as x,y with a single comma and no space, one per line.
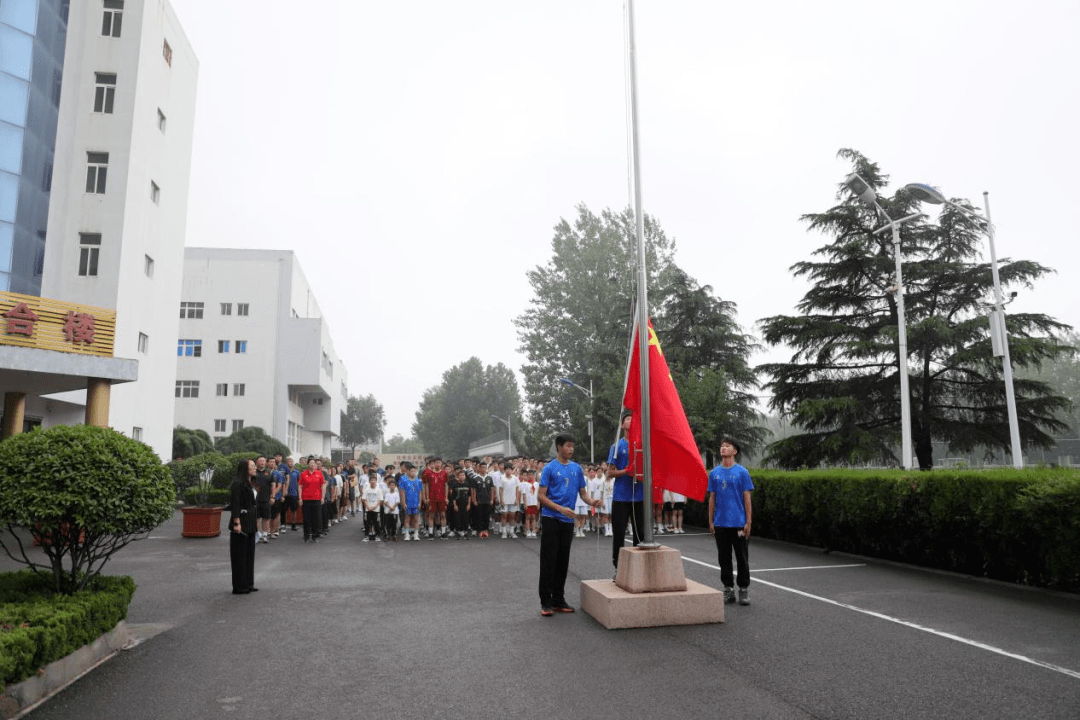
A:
397,146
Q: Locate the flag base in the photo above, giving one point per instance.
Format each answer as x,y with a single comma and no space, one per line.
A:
651,590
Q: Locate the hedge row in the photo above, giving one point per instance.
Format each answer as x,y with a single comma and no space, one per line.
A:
38,626
1015,525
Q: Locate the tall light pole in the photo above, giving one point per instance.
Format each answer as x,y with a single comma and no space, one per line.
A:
862,190
589,417
509,440
998,332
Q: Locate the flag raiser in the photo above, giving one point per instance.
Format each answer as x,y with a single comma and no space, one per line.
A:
676,462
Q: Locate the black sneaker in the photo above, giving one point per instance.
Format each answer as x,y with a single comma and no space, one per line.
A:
546,611
562,607
729,595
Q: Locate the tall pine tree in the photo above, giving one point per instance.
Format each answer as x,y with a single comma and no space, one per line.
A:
842,385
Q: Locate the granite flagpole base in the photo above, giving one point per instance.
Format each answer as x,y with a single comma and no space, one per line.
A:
651,590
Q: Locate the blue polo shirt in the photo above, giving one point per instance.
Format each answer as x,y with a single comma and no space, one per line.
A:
729,484
564,484
625,488
412,487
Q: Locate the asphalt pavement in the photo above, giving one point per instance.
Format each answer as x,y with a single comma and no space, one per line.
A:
451,629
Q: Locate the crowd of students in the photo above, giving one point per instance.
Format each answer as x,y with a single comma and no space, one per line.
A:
468,497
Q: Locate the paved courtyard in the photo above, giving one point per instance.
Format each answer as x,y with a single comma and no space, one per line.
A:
451,629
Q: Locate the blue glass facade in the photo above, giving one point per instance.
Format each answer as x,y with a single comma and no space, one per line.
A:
32,37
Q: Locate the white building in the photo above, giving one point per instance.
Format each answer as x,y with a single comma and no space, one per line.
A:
119,191
254,350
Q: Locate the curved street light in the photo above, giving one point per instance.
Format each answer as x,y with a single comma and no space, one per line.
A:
998,331
589,394
862,190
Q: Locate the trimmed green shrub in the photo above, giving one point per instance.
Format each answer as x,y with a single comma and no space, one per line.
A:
187,476
1016,525
200,496
85,492
39,626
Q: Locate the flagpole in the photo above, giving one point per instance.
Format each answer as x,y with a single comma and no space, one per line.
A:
642,291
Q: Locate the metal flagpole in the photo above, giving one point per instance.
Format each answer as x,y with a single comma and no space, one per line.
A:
642,291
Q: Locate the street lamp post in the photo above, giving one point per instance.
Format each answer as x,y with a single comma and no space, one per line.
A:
509,439
589,417
862,190
930,194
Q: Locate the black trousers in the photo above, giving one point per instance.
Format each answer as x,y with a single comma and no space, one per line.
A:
312,523
461,518
483,517
242,555
555,543
371,523
620,516
327,515
389,521
728,540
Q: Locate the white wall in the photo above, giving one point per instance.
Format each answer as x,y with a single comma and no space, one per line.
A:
131,225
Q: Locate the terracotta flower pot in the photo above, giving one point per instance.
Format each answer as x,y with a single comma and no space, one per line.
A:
202,522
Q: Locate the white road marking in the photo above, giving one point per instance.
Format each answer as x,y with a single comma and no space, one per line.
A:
808,567
973,643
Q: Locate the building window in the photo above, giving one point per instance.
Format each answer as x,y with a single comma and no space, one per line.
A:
104,92
219,425
97,167
136,433
189,348
155,192
238,389
114,14
223,391
241,347
166,52
242,309
144,343
160,120
237,425
294,436
57,87
89,247
223,346
148,266
226,308
316,401
46,177
191,310
187,388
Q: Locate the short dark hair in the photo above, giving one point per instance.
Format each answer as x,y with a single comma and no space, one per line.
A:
626,414
731,441
563,438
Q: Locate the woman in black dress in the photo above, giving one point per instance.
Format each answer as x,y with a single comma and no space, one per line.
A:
242,529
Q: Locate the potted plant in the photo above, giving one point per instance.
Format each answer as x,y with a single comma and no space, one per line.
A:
203,498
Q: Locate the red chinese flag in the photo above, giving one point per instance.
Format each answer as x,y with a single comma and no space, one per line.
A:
676,462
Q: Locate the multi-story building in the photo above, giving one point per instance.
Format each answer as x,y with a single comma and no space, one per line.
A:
32,40
119,185
254,350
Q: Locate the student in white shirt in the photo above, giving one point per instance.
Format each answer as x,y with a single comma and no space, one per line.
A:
372,498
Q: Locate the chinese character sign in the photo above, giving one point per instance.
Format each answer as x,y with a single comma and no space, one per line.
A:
20,320
46,324
79,327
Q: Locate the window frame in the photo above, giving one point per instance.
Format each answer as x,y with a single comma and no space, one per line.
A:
104,93
187,389
89,254
97,172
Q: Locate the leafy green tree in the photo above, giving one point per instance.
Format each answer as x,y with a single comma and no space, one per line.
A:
85,492
841,386
398,444
362,421
1063,374
252,440
708,356
578,322
458,411
187,443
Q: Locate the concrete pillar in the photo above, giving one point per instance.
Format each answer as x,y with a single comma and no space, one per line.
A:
14,413
97,401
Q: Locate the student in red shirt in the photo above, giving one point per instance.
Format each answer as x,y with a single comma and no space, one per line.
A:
311,493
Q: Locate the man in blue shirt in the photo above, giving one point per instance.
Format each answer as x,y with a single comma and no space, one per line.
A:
628,495
730,513
561,483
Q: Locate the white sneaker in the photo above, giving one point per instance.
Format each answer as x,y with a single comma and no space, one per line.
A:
366,539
